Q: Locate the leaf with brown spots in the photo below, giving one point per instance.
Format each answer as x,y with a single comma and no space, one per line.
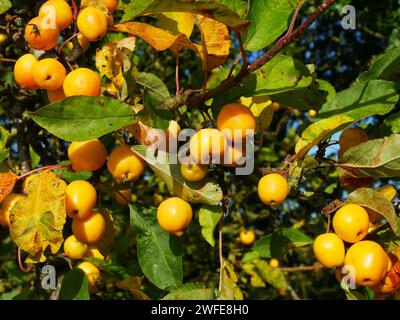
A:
37,220
374,158
7,183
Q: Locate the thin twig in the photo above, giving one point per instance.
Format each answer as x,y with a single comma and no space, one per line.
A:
315,267
8,60
52,167
20,263
294,18
75,9
177,72
66,41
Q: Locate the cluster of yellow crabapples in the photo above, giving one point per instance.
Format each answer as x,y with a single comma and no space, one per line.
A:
43,33
364,260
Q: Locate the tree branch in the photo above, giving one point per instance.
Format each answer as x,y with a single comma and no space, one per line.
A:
315,267
282,43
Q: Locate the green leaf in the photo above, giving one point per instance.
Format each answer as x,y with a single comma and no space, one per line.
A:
155,93
375,201
261,33
273,276
3,137
25,294
229,287
319,131
229,12
84,118
281,74
3,155
209,217
4,6
117,271
386,67
373,158
35,158
393,122
375,97
159,253
74,286
206,191
70,176
191,291
276,244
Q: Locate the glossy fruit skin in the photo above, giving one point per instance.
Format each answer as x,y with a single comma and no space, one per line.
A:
369,261
62,11
92,23
91,229
93,275
273,189
88,155
93,251
234,120
123,197
193,171
312,113
329,250
23,71
124,164
80,199
234,155
174,215
55,95
390,282
83,42
74,249
6,205
351,223
112,5
274,263
207,146
40,35
49,74
82,82
247,237
351,137
276,106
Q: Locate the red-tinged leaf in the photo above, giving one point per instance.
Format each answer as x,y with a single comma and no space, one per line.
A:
7,183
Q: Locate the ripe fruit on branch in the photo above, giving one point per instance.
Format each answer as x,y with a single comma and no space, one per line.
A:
74,249
112,5
276,106
41,34
274,263
234,120
93,251
174,215
80,199
123,197
193,172
82,82
92,23
351,223
49,74
247,237
351,137
273,189
92,274
55,95
312,113
329,250
7,204
88,155
124,164
91,229
57,11
369,260
23,71
207,146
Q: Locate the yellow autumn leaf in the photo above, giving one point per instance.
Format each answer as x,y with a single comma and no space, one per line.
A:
133,285
216,41
7,183
158,38
389,192
37,220
177,22
319,131
261,107
112,62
